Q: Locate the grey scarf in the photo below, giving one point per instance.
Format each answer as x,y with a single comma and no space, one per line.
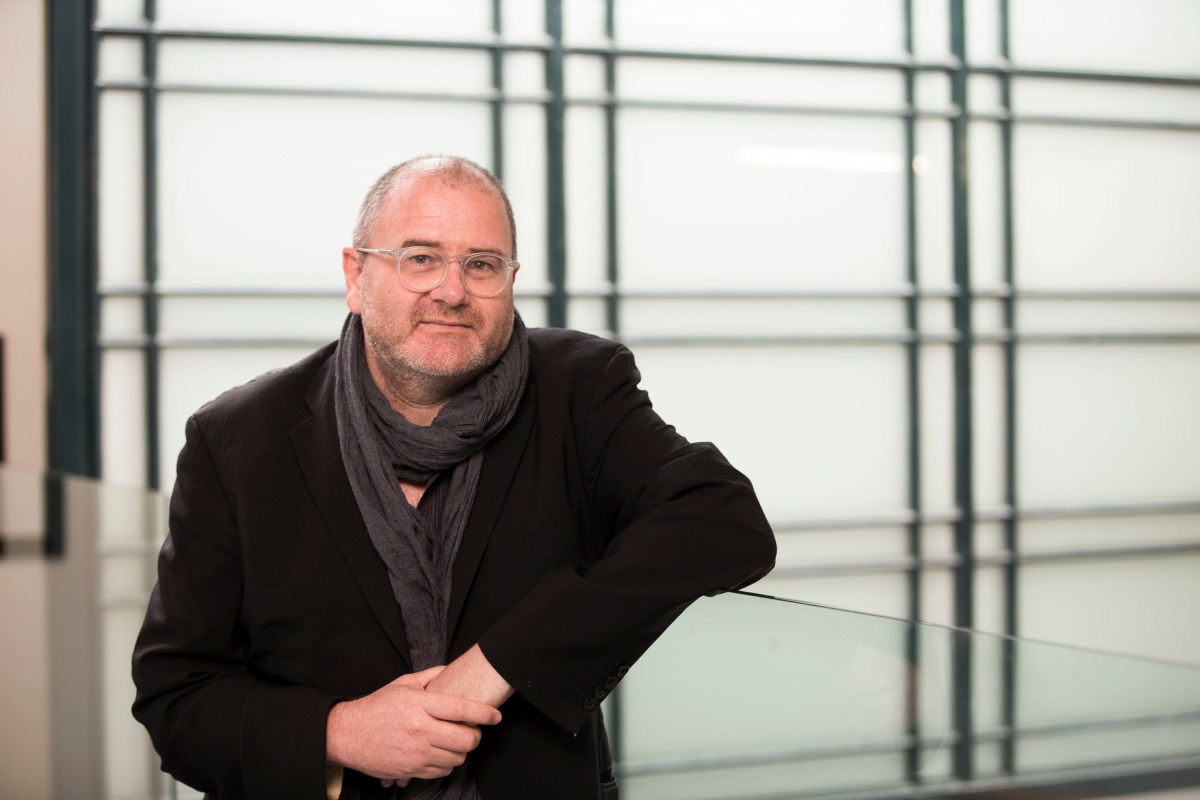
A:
380,448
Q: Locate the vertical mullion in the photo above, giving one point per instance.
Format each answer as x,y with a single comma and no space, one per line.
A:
963,489
613,300
498,53
556,226
1008,697
613,306
912,756
150,232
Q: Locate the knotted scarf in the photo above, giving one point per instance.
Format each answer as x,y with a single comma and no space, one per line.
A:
380,448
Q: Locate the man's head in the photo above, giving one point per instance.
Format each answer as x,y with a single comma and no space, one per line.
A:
429,344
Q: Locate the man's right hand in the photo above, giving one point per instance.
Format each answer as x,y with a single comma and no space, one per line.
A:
402,731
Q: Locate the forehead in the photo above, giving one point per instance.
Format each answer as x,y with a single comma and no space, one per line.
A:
441,210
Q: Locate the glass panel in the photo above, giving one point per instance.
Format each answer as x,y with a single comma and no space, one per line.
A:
466,18
868,28
587,211
932,91
324,66
792,196
1135,101
983,94
824,434
300,167
1107,425
123,417
1124,605
120,12
986,204
584,77
526,20
122,316
734,318
1098,533
769,84
854,547
1146,36
937,428
583,20
1106,208
935,216
120,59
982,18
316,320
1082,316
525,181
989,446
120,204
931,29
525,73
588,315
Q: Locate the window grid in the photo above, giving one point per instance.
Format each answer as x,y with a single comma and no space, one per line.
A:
557,294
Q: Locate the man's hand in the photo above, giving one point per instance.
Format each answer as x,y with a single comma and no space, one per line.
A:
406,730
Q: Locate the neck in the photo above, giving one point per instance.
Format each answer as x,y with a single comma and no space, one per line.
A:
416,397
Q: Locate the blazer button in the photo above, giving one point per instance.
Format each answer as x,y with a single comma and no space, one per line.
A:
621,672
612,682
600,693
589,704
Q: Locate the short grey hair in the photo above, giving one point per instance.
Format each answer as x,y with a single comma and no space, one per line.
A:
453,169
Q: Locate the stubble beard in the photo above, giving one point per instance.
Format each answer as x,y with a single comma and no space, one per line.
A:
408,369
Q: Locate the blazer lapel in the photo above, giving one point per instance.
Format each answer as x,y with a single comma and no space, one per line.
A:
315,441
500,460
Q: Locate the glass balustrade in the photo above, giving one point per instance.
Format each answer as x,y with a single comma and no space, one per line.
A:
745,696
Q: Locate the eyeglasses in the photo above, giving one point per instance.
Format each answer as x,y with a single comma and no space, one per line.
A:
423,269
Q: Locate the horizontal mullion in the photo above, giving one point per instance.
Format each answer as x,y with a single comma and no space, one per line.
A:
1085,122
137,290
1083,75
899,292
487,43
481,96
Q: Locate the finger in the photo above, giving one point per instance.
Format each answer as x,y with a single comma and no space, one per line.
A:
421,678
452,708
454,736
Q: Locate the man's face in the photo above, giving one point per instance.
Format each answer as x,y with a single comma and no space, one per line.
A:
444,333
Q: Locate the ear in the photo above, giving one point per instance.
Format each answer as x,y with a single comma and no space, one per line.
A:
352,269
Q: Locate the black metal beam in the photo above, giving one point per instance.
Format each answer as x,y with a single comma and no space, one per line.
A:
964,529
73,420
556,216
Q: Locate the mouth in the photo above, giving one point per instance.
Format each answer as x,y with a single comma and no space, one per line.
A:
445,323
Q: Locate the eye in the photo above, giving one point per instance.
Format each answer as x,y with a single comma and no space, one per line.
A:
483,265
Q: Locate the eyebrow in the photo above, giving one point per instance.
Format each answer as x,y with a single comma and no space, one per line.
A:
439,246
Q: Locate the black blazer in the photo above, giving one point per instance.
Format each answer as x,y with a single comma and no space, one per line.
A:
594,525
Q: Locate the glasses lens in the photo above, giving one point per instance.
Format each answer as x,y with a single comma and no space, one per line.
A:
484,275
421,268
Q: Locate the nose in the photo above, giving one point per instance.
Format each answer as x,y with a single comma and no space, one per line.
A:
451,290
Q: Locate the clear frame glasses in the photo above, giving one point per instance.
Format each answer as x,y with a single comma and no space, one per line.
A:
423,269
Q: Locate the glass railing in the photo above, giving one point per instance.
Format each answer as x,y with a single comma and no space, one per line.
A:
745,696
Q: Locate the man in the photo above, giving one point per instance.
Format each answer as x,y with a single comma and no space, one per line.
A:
438,516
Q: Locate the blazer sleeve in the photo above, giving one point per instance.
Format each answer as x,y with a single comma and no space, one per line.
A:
218,726
680,522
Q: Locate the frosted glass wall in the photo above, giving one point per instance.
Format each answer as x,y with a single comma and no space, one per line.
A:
965,391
